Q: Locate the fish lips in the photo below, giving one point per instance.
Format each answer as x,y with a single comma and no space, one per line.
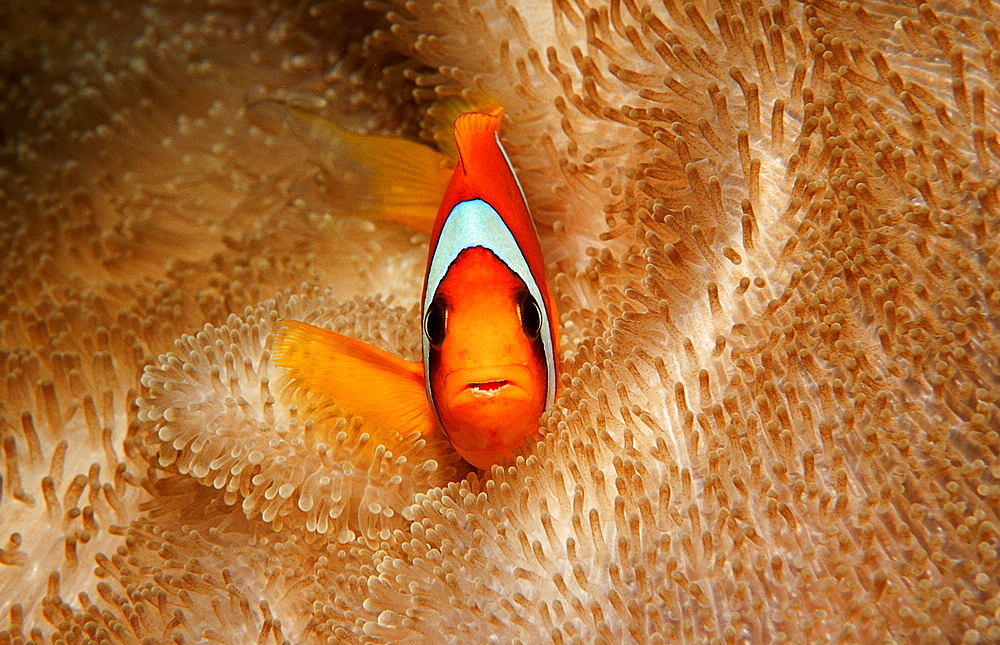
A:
495,386
490,410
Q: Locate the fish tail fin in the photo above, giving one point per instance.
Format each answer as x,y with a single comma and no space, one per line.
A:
384,389
373,176
408,178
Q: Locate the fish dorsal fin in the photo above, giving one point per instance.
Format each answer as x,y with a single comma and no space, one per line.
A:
442,114
385,390
476,131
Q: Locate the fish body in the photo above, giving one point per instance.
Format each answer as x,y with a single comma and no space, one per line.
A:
492,371
490,334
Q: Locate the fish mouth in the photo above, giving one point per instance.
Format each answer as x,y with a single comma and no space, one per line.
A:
482,385
486,389
488,410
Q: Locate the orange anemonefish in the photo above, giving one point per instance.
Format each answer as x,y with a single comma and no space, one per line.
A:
490,333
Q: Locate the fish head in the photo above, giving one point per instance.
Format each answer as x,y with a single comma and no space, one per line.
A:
486,370
491,335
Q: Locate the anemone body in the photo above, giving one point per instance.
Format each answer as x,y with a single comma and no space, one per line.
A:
772,234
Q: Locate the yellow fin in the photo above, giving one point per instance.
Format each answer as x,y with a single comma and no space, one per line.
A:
378,177
382,388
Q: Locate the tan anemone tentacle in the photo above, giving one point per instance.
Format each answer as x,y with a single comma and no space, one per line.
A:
772,230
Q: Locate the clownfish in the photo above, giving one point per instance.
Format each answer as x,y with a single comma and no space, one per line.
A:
490,335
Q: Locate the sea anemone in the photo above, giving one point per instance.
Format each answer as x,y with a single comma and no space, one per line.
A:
772,231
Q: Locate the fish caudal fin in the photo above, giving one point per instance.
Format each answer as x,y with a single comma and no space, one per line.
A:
407,178
382,388
372,176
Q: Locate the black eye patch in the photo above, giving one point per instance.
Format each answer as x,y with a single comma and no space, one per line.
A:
436,322
530,315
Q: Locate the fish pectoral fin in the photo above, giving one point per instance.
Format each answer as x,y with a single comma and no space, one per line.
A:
382,388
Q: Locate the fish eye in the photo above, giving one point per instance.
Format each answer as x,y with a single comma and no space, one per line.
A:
530,315
436,322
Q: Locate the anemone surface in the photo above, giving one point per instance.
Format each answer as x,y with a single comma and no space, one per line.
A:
773,234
